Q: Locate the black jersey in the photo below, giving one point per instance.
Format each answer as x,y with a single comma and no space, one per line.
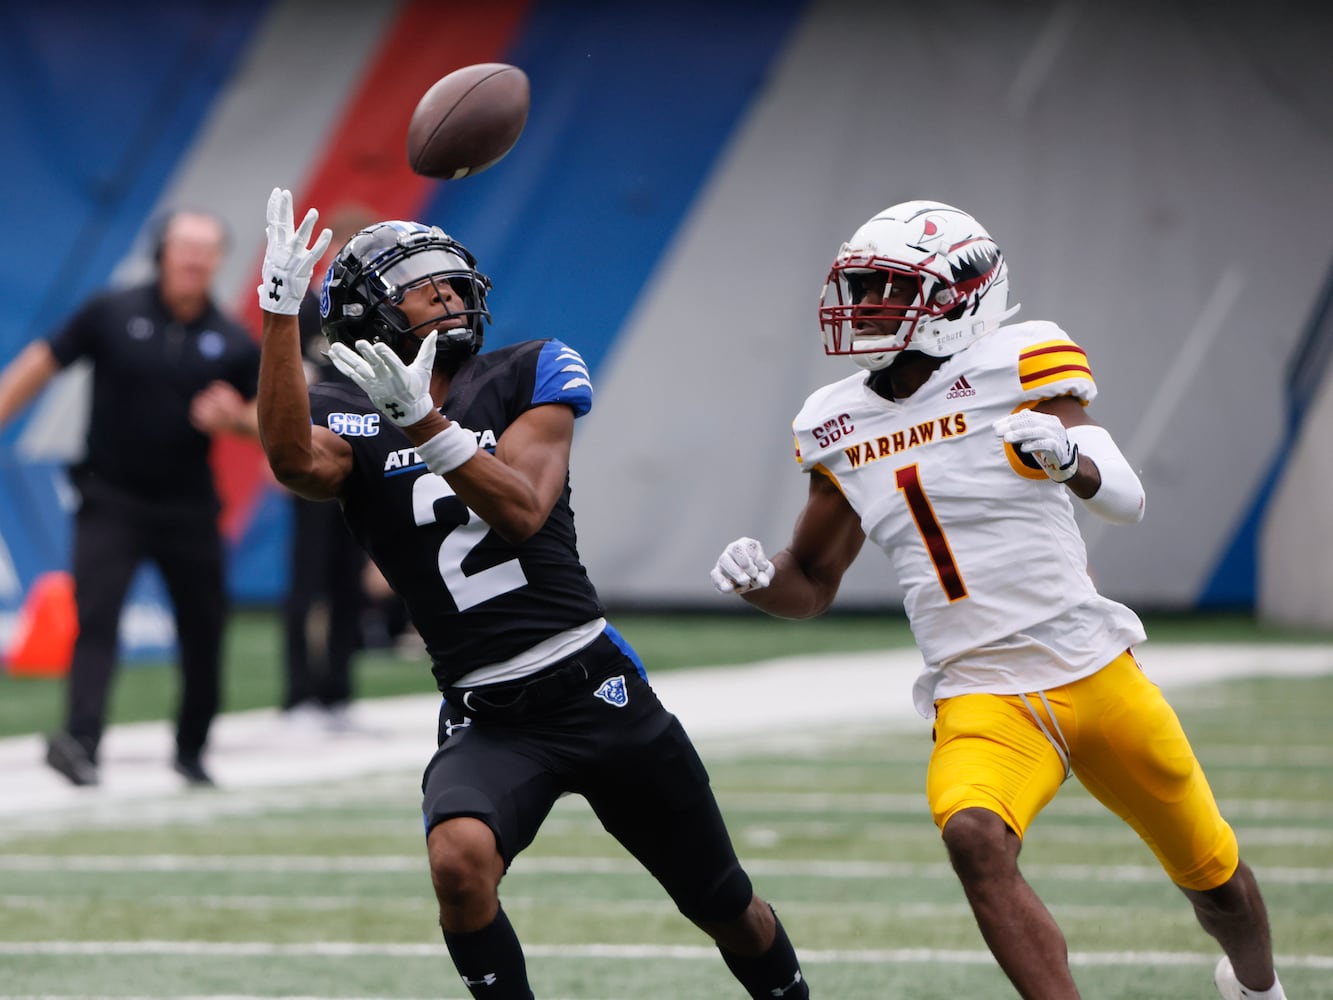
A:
147,368
475,598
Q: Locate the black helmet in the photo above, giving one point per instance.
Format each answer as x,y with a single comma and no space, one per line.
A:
368,277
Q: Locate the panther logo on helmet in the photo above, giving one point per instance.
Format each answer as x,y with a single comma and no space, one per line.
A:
961,280
375,268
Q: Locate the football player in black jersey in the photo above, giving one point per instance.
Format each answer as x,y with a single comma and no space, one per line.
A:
467,515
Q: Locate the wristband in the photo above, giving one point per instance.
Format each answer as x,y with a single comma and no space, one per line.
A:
448,449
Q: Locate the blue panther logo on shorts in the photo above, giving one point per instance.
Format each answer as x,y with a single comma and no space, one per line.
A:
613,692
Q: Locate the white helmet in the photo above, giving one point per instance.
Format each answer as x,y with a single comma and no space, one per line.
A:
962,286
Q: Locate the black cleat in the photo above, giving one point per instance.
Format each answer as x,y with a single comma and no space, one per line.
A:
192,770
68,756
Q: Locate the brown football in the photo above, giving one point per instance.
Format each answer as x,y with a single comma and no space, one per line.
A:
468,120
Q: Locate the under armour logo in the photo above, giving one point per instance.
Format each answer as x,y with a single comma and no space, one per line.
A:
613,692
486,980
451,727
782,991
394,410
275,294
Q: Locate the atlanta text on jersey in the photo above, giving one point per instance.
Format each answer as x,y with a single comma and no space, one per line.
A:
402,459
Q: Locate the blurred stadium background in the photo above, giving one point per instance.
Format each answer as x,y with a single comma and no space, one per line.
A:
1160,176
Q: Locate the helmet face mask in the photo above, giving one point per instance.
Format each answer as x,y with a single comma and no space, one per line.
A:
365,286
950,278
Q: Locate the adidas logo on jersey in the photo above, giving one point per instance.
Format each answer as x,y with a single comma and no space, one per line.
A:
962,387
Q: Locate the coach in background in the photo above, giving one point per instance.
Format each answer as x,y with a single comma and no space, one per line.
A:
169,371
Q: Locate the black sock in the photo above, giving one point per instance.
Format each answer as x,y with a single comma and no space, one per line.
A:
491,961
775,973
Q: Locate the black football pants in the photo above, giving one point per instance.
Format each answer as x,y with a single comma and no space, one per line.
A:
593,726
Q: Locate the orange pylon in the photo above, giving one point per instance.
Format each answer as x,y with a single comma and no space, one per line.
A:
42,643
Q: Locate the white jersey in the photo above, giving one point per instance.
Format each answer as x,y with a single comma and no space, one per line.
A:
985,546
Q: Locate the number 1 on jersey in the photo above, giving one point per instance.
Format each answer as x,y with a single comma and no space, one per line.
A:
937,546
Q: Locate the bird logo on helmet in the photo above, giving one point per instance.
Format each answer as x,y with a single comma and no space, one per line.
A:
961,281
369,276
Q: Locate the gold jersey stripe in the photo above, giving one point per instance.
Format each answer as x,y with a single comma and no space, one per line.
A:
1052,361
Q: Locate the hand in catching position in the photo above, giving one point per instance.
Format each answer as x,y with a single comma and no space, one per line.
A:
401,392
288,262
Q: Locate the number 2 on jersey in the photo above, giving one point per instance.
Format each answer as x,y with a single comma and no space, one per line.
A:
937,546
467,590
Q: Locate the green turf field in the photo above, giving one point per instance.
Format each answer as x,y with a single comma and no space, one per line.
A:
254,642
323,892
253,672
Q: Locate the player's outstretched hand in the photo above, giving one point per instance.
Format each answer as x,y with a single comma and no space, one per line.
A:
401,392
288,261
1043,436
742,567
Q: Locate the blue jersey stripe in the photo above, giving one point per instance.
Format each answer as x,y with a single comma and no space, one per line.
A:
614,635
562,377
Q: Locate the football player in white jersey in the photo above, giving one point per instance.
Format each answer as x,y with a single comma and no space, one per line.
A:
958,449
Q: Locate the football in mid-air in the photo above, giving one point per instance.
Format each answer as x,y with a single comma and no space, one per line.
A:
468,120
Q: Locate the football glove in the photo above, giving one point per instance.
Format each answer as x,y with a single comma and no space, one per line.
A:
401,392
742,567
287,261
1043,436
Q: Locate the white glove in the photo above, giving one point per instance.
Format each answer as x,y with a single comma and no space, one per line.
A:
287,262
1042,436
401,392
742,567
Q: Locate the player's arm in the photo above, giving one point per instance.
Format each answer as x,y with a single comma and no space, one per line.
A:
1075,450
801,580
515,489
310,461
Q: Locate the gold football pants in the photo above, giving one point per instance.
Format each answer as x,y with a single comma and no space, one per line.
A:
1006,753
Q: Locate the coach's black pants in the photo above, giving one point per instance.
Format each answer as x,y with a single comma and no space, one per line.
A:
113,534
326,565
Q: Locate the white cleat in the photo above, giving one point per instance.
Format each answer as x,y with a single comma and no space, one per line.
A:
1224,978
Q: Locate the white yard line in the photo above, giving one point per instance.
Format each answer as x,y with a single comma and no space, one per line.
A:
632,952
787,700
852,869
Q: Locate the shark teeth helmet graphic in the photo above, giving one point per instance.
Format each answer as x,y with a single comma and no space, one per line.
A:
956,281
